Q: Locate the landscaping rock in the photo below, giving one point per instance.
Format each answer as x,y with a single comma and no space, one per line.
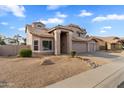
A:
90,63
46,61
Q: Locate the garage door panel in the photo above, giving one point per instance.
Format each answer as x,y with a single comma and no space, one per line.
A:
79,47
92,47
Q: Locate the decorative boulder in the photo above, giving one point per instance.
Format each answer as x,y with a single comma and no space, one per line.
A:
46,61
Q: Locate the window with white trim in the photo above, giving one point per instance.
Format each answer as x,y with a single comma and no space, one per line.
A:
35,45
47,45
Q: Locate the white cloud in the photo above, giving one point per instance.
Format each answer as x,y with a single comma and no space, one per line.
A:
21,29
103,31
53,21
59,14
107,27
53,7
108,17
16,10
99,18
4,23
85,13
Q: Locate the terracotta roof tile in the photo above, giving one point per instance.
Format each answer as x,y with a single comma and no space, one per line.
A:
83,39
42,33
111,39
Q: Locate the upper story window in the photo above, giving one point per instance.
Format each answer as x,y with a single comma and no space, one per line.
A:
79,34
39,26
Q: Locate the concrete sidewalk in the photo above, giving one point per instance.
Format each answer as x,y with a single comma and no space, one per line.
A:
108,75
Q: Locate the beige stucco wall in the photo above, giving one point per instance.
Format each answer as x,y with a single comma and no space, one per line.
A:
11,50
108,46
101,45
69,46
57,41
97,47
75,31
29,38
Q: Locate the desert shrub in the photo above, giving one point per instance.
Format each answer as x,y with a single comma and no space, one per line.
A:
25,53
73,53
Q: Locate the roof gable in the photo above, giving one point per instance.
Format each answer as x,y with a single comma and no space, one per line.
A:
60,27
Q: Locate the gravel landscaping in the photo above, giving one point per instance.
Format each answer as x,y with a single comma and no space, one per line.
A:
30,72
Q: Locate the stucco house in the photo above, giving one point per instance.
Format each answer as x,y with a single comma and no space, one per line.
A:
110,43
59,39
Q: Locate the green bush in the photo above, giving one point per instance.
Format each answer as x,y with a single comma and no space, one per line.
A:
73,53
25,53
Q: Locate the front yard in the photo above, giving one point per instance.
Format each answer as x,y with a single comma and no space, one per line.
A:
29,72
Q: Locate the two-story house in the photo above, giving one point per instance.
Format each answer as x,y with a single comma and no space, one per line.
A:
59,39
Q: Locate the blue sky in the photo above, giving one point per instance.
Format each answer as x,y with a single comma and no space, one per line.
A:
99,20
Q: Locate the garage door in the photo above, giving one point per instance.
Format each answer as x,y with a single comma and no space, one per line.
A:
79,47
92,47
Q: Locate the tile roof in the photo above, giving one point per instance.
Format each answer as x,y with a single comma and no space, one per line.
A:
60,27
42,33
84,39
110,39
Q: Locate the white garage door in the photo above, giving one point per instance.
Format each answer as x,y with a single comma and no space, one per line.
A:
79,47
92,47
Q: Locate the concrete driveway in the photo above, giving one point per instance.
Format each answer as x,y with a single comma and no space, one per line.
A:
106,55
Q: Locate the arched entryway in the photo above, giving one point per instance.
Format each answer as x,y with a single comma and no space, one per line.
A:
62,41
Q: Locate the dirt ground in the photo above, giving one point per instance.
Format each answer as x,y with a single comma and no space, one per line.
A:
28,72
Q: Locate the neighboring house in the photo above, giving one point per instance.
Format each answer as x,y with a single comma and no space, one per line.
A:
59,39
111,43
10,41
122,41
15,40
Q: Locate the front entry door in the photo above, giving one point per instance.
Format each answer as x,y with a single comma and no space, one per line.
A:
63,42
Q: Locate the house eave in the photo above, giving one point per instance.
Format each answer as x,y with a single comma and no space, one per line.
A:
56,28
